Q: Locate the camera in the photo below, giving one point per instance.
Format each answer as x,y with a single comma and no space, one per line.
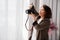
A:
31,10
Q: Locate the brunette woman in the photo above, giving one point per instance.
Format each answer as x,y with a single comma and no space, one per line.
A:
42,24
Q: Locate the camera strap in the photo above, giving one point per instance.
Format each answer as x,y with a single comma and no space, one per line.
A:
26,25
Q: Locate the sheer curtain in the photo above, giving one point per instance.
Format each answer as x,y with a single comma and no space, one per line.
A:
3,20
12,19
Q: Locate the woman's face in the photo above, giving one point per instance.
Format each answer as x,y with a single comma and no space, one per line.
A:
42,12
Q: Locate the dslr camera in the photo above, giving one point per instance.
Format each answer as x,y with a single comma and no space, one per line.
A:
31,10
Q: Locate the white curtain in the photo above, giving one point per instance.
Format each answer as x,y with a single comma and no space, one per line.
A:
12,19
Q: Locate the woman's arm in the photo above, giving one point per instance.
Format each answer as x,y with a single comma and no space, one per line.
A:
43,25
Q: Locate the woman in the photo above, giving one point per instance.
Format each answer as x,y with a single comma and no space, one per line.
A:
43,23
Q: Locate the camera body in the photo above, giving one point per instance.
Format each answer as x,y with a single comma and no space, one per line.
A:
31,10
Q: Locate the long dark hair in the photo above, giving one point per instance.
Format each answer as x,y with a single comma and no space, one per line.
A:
48,11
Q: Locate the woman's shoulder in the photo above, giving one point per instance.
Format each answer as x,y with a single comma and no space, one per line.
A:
46,19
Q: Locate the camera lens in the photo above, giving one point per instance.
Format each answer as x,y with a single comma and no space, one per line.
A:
28,11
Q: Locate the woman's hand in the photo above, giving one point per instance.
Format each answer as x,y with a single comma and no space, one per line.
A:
34,23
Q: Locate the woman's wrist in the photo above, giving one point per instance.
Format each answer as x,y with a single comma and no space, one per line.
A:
34,23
